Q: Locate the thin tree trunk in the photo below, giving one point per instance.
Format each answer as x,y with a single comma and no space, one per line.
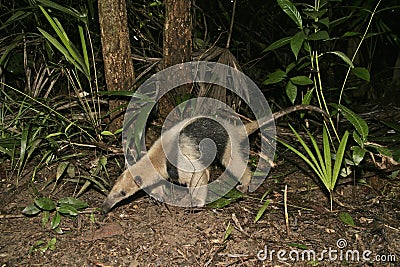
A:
177,46
118,66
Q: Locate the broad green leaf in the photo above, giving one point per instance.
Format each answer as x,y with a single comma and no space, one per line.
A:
301,80
346,218
291,11
261,211
275,77
291,91
297,42
358,154
343,56
325,22
68,209
361,73
55,222
359,124
319,35
45,203
382,150
78,204
277,44
31,209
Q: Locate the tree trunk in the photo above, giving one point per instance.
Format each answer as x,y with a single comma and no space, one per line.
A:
118,66
177,46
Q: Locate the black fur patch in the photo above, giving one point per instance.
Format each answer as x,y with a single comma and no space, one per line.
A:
198,130
202,128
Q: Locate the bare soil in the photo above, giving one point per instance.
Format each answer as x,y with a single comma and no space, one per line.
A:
142,232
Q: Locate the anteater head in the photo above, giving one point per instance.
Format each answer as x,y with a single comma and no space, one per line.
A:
140,175
124,187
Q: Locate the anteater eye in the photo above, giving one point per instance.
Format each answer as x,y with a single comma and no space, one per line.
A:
122,193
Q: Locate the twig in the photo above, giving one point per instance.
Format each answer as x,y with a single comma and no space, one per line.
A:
286,211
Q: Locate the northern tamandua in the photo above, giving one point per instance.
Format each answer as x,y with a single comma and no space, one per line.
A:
188,134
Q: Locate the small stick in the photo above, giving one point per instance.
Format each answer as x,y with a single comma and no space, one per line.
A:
286,212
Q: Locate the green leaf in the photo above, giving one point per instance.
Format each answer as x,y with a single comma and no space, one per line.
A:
382,150
70,11
359,124
275,77
315,15
361,73
346,218
277,44
107,133
326,163
45,203
297,42
45,218
291,11
350,34
61,169
315,168
228,231
296,245
339,159
358,154
68,209
301,80
319,35
343,56
261,211
78,204
224,201
393,125
308,96
24,143
31,209
55,222
358,139
52,244
291,91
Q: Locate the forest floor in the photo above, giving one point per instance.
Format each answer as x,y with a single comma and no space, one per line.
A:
141,232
